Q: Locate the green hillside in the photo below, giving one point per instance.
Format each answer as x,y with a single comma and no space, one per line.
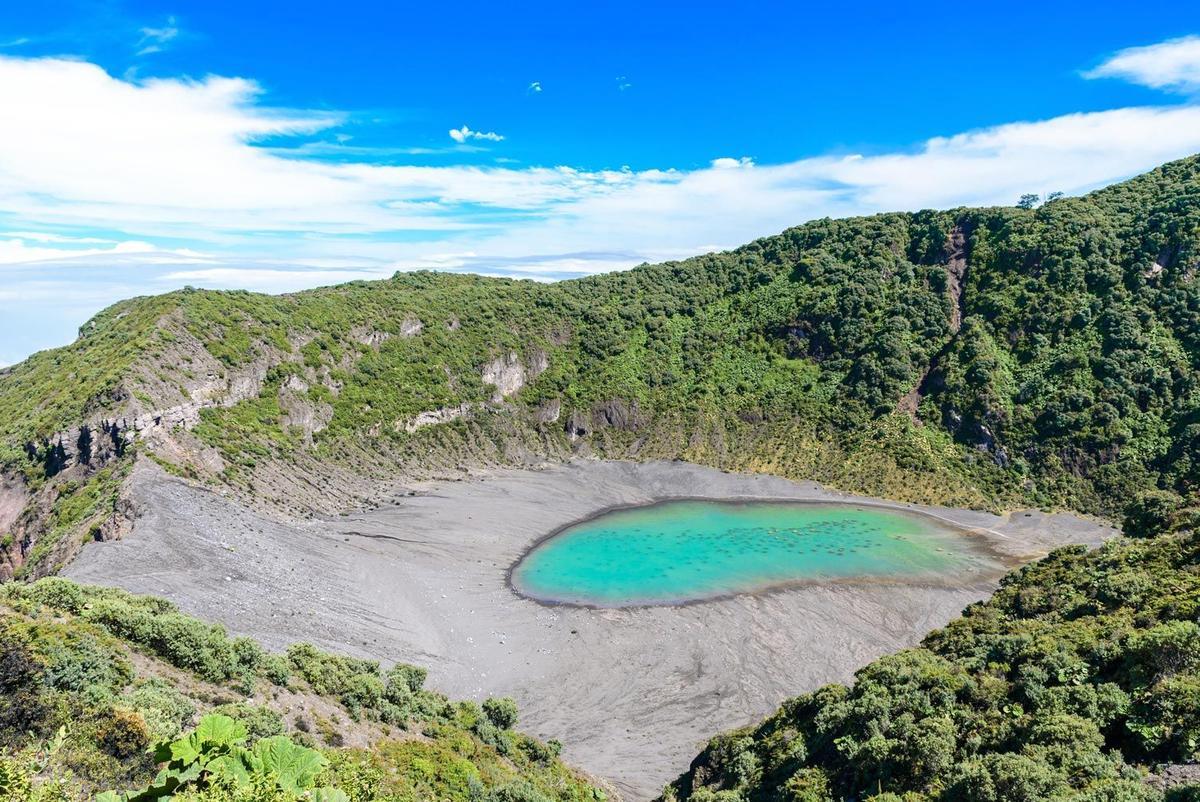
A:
99,687
1077,679
976,357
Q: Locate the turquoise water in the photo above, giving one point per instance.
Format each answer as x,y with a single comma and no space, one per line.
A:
678,551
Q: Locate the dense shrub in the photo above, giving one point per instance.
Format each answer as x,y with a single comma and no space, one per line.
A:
259,721
1151,513
403,681
89,682
21,704
502,712
1082,666
165,710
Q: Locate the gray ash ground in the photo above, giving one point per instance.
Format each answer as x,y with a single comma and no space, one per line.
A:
632,693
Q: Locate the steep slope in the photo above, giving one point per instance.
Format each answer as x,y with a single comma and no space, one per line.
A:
1078,680
93,678
974,357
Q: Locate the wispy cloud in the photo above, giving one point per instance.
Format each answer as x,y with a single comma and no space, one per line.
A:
461,135
1172,65
30,248
623,83
20,40
176,159
154,40
535,87
112,186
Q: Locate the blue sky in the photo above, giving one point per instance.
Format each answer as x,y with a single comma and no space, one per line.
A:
273,146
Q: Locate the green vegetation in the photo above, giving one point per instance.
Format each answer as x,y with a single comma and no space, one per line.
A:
123,697
983,357
78,511
1080,674
974,357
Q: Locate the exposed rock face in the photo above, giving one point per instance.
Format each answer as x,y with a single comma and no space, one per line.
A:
538,363
548,412
370,337
577,425
618,414
97,442
956,250
509,373
1173,775
13,498
411,326
956,272
296,384
1165,259
147,407
615,413
506,373
432,417
91,445
987,443
301,412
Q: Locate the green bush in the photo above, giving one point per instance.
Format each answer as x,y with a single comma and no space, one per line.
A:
165,710
22,706
403,681
502,712
362,692
260,722
1151,513
17,784
276,669
327,674
83,694
517,791
79,661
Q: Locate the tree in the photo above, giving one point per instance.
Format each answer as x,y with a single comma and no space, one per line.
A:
1053,196
502,712
1151,513
1028,201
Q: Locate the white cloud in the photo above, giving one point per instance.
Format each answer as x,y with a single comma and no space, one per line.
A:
16,250
726,163
461,135
165,178
147,161
154,40
45,236
622,83
1174,65
266,279
535,87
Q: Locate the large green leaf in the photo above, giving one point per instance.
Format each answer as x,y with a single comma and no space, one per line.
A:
186,750
220,730
232,766
294,767
215,735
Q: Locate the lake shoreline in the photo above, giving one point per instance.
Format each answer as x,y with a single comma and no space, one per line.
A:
977,544
632,693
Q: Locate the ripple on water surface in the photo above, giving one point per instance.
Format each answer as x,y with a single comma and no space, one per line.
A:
677,551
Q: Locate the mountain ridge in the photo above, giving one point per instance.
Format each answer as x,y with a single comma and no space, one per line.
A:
1034,357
